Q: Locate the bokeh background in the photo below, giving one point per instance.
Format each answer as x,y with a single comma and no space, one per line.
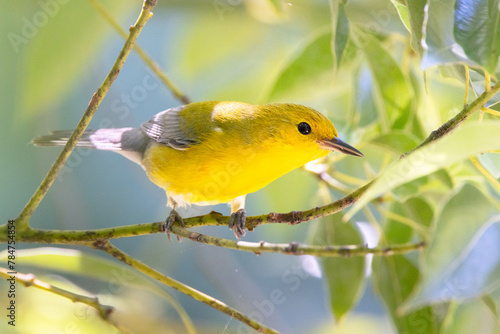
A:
53,56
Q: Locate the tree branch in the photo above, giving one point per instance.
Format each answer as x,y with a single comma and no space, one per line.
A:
22,221
185,289
295,248
459,118
99,239
144,56
29,280
86,237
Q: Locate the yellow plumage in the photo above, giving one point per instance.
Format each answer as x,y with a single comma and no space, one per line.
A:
216,152
244,148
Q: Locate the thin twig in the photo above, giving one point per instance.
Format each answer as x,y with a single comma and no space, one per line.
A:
491,111
406,221
320,171
483,171
487,81
185,289
144,56
295,248
22,221
29,280
91,237
454,122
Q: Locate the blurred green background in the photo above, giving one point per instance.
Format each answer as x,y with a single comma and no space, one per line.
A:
212,50
53,56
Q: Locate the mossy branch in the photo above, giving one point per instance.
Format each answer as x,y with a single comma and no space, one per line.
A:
295,248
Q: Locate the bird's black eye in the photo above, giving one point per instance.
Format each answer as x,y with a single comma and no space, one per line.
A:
304,128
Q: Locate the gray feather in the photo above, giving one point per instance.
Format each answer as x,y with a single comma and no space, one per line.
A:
129,142
165,128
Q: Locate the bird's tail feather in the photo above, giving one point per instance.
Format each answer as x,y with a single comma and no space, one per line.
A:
103,139
129,142
60,138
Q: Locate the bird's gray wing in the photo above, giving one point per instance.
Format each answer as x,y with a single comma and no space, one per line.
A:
165,128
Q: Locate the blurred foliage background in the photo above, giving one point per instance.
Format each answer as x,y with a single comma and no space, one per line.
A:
387,73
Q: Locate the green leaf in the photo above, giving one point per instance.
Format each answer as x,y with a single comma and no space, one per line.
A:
395,231
345,276
308,72
363,98
471,138
416,17
403,13
445,178
410,189
392,93
462,259
83,264
477,30
490,303
397,141
457,71
440,46
415,209
277,5
340,30
472,317
491,161
394,277
439,182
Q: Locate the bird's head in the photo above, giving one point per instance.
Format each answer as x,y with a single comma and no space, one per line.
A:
305,127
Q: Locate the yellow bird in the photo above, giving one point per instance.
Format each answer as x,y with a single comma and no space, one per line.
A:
217,152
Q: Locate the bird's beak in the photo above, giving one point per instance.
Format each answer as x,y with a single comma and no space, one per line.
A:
336,144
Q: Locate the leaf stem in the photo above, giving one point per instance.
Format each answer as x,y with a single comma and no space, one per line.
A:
483,171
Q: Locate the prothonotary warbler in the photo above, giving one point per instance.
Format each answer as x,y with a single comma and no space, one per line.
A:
217,152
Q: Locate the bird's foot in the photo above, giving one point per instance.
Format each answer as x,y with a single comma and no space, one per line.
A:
237,223
173,217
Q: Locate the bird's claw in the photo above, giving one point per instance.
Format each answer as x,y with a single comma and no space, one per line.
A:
237,223
173,217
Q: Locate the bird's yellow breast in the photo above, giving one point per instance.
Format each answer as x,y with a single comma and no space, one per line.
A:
237,149
221,169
